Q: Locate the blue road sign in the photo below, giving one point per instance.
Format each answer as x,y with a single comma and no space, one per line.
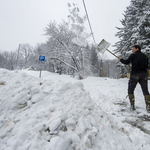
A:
41,58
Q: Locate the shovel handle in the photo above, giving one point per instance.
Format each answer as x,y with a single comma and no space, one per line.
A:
112,53
115,56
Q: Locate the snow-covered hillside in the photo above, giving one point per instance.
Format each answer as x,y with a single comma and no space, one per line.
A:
62,113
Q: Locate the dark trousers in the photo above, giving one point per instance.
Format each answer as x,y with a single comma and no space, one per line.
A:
142,79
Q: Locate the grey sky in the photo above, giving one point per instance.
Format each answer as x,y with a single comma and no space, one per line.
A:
24,21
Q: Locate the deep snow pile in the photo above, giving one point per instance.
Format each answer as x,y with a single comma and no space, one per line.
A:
46,114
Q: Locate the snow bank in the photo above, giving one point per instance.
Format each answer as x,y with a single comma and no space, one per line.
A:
42,114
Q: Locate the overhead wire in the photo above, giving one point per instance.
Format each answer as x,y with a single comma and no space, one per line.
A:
89,21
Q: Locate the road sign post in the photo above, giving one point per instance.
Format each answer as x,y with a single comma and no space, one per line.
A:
41,58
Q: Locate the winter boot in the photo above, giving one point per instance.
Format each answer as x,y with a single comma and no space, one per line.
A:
147,101
132,100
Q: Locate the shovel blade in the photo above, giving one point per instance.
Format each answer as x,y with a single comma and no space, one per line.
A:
102,46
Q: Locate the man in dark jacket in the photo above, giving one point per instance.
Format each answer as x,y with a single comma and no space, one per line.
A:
139,74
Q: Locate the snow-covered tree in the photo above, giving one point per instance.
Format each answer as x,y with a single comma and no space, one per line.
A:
25,50
61,48
67,42
135,28
8,60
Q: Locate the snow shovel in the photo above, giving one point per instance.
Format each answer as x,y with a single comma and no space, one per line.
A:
102,47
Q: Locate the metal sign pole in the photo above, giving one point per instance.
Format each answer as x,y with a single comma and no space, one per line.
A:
40,70
41,58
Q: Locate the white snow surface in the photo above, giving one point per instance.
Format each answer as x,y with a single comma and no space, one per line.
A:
58,112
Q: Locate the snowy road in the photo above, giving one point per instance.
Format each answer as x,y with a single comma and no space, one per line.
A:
110,95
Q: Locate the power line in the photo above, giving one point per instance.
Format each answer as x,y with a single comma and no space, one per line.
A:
89,22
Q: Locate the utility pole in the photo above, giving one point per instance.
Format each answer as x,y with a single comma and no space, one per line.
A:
18,55
108,69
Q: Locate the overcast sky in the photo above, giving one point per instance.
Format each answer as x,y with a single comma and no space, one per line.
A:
24,21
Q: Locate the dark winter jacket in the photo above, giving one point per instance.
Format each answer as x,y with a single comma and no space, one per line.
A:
139,62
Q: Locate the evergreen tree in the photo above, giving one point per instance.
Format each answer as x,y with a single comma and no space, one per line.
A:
135,28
